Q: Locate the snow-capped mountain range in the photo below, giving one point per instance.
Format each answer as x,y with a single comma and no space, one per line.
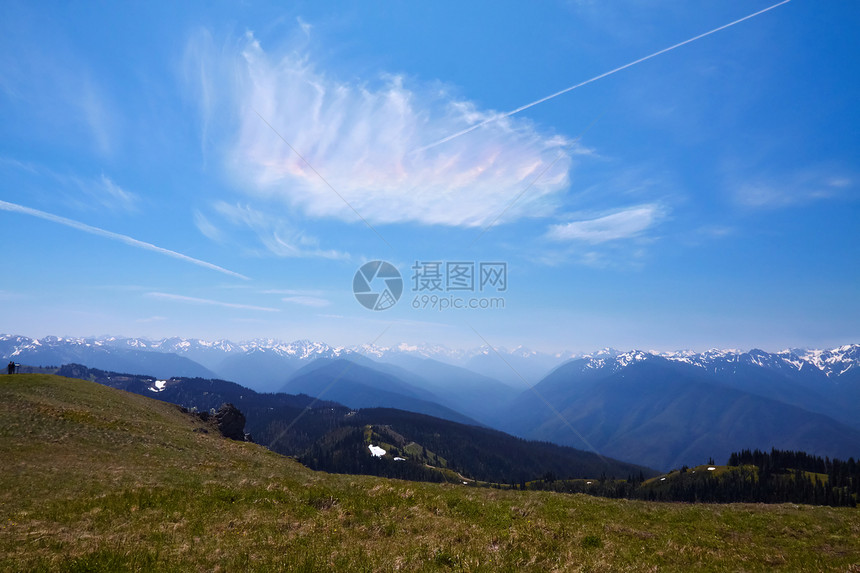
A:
832,363
12,346
670,407
515,364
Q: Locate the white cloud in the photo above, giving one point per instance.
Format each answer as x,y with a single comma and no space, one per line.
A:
304,297
99,116
151,319
839,182
311,301
208,302
365,139
205,226
624,224
275,232
715,231
23,165
198,67
111,194
82,193
306,28
60,96
797,188
293,292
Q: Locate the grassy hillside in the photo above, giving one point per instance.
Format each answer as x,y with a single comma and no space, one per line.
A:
98,479
322,442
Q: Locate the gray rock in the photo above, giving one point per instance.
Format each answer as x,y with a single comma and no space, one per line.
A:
231,422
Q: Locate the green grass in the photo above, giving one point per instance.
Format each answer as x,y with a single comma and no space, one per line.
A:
94,479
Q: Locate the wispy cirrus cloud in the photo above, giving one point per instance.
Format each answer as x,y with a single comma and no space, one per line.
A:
88,193
97,111
77,191
628,223
208,302
304,300
132,242
151,319
794,189
208,228
293,292
18,164
61,97
275,232
112,194
312,298
362,137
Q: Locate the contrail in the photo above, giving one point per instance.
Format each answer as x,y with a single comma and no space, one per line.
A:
595,78
15,208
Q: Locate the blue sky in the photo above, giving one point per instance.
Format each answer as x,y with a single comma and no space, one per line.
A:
222,172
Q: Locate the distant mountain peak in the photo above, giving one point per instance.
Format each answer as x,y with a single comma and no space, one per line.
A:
832,362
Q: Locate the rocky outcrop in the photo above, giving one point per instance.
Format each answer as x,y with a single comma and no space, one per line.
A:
231,422
75,371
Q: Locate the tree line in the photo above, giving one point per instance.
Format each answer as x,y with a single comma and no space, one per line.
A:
778,476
